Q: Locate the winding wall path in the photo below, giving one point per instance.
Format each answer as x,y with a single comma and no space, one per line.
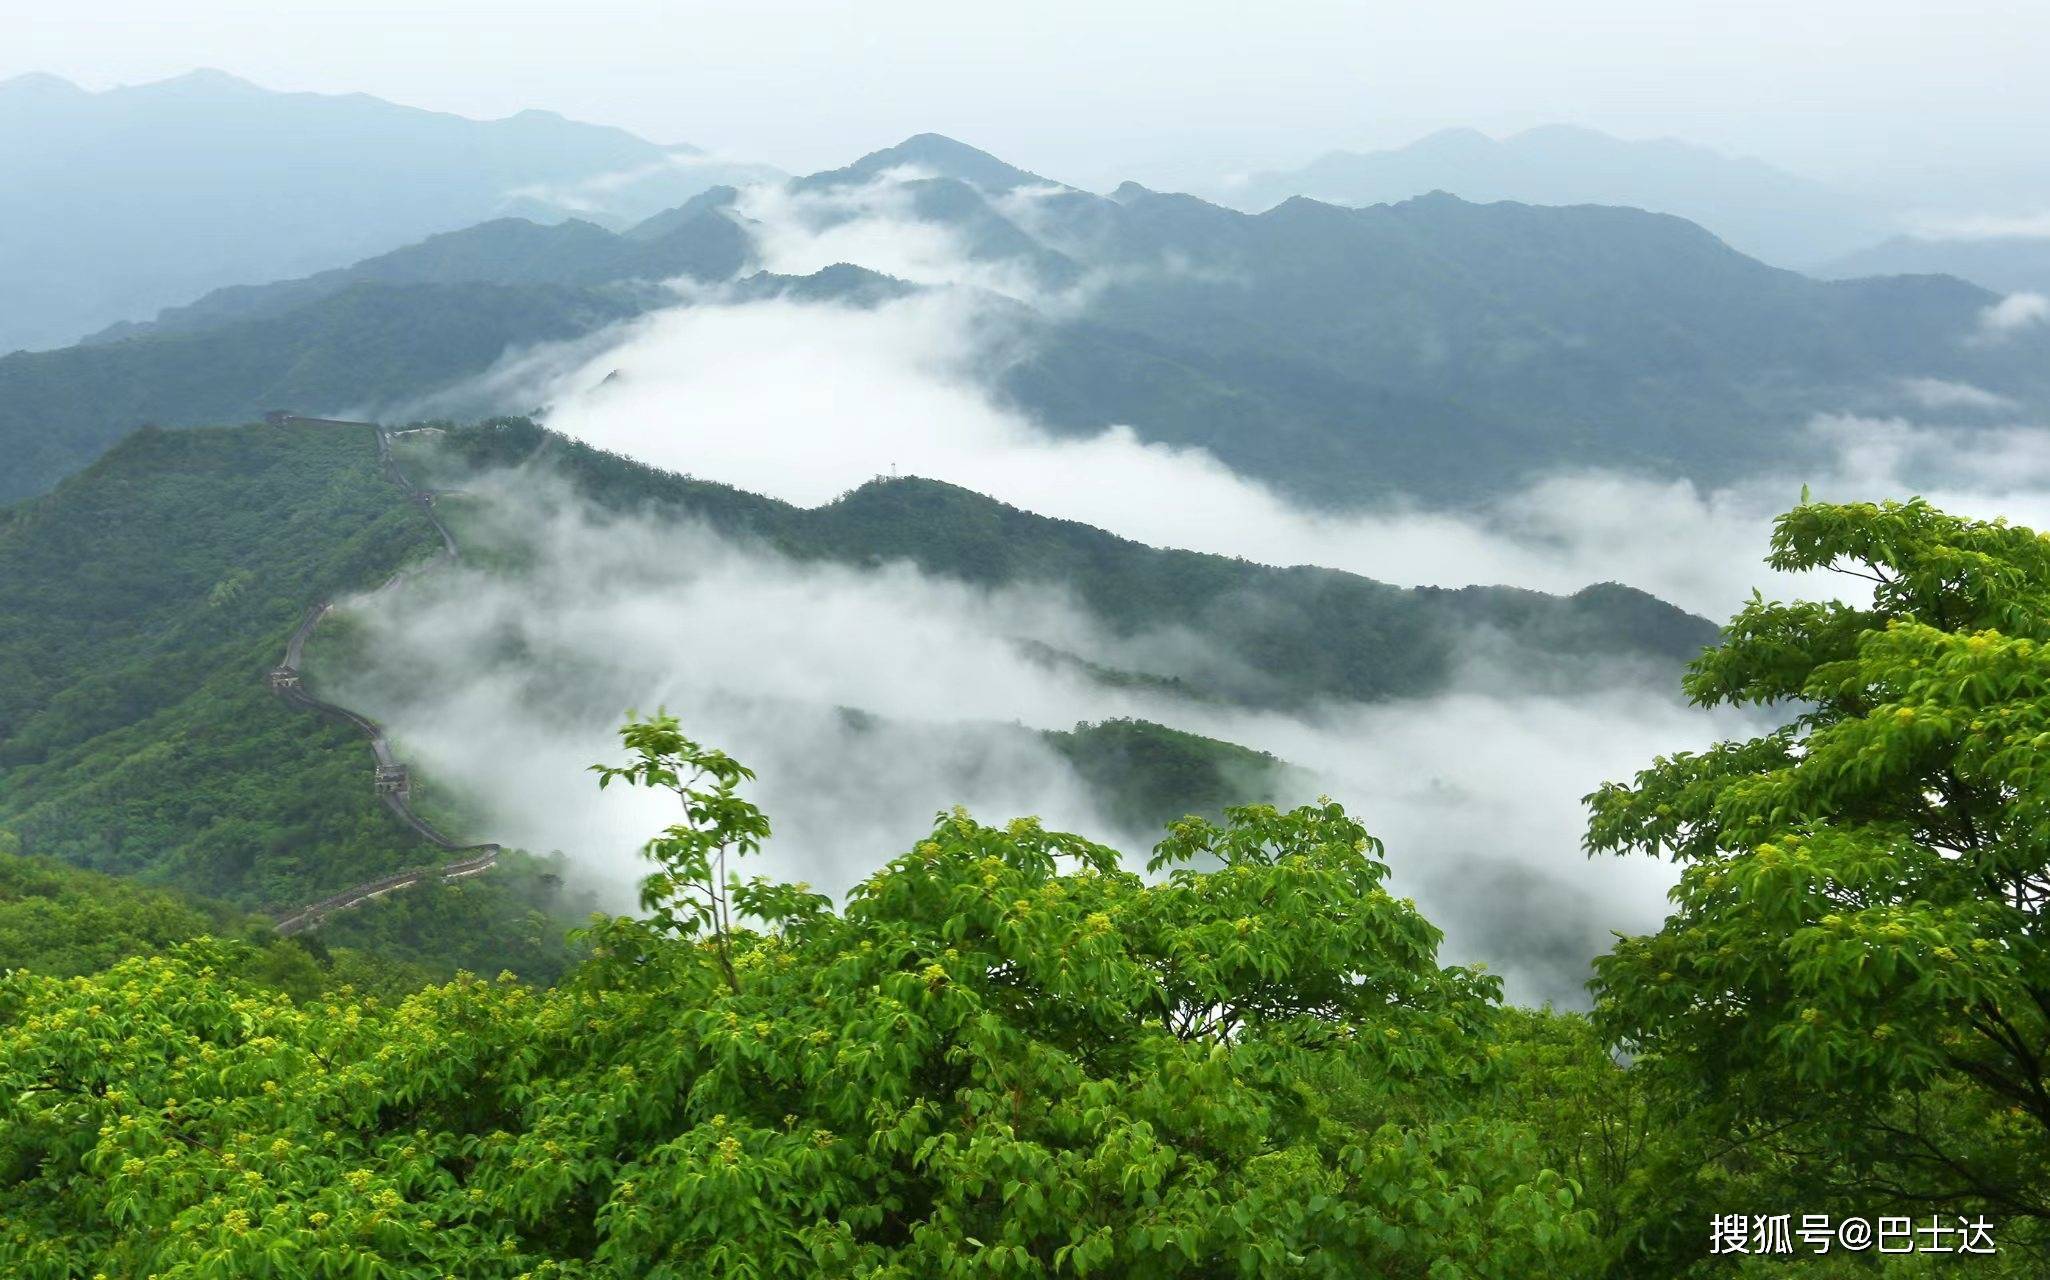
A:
390,776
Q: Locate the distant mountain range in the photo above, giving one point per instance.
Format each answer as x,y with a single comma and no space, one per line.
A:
2007,264
1435,348
1760,210
695,240
119,203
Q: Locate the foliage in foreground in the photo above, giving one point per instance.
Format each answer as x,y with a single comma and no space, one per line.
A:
1854,985
1008,1055
64,922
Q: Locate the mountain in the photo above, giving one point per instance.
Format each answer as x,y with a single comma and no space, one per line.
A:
119,203
1756,208
140,606
143,601
368,344
1443,348
2005,264
926,155
506,251
1446,349
380,332
1435,349
1296,636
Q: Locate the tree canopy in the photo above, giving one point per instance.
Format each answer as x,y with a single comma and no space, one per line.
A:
1855,969
1013,1052
1007,1054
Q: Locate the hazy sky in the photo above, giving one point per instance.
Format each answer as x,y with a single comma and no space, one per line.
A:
1092,91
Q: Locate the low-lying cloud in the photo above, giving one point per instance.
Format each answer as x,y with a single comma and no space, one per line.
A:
1935,393
1477,792
875,224
804,401
629,194
2015,312
2025,226
869,700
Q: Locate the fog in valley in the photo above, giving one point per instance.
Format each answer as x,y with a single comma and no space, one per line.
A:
868,700
1294,641
805,401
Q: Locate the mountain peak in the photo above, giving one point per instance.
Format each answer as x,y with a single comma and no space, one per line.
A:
937,154
954,159
39,84
1306,207
1459,140
201,80
709,201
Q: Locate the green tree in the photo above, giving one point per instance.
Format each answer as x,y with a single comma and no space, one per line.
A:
1006,1055
1854,977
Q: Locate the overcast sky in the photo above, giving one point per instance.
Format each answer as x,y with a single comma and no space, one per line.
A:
1094,90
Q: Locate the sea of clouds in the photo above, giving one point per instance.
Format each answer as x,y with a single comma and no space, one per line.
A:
1477,791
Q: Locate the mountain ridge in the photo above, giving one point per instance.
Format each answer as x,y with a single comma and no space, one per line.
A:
2005,264
128,200
1341,354
1764,210
146,598
1255,609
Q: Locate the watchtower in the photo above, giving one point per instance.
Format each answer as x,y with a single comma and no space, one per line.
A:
393,780
283,678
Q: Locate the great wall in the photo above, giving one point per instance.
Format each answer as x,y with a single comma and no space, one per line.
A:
390,777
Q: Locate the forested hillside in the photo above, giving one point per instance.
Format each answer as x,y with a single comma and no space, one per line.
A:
370,343
693,241
1305,633
142,604
145,599
60,921
1009,1052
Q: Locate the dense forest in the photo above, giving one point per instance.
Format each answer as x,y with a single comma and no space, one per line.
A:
142,604
1014,1052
